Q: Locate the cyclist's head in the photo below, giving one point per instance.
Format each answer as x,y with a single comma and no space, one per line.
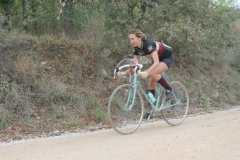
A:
138,33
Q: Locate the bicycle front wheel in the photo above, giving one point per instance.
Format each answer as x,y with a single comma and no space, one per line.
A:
125,115
178,105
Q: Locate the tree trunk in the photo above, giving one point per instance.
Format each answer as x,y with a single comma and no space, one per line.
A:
24,15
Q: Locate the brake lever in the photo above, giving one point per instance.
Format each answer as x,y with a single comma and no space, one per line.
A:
116,70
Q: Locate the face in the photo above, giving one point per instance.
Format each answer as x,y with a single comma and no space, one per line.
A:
134,40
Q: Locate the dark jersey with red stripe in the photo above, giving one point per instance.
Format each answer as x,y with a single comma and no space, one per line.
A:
164,52
148,46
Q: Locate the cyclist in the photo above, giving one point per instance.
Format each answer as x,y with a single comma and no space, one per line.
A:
162,56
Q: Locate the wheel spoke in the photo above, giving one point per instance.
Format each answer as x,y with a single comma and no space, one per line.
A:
175,114
125,116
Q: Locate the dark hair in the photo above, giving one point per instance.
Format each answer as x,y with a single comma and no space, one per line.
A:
138,33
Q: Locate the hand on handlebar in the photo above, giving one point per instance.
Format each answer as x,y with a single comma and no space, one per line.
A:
143,75
131,69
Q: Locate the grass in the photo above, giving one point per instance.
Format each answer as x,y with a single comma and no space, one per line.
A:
81,103
4,86
30,120
5,119
190,83
205,101
99,113
70,124
25,69
215,83
232,98
50,91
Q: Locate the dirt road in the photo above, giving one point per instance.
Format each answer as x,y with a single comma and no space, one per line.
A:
213,136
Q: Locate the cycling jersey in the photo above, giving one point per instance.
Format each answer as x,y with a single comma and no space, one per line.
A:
148,46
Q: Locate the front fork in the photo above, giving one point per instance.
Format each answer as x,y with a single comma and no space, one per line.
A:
130,97
132,94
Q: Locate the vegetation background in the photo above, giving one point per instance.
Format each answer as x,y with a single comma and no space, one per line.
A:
57,58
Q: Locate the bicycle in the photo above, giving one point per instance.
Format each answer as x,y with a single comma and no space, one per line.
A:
126,105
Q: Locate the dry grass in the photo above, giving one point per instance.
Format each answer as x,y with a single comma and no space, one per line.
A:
25,69
5,119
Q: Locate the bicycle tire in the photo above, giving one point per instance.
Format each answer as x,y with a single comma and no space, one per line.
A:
176,114
125,121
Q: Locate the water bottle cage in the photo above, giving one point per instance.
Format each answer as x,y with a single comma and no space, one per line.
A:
151,97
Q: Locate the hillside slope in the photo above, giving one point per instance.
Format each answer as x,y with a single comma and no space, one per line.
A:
49,87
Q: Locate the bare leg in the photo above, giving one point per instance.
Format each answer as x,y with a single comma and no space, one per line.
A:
154,76
151,84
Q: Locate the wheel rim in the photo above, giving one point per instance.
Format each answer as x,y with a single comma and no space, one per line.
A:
177,113
123,119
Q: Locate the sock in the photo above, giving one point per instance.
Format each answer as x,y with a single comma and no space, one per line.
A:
164,83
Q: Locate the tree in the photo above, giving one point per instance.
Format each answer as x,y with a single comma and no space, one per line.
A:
192,28
5,9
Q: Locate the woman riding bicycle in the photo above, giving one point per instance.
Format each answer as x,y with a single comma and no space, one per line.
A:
162,56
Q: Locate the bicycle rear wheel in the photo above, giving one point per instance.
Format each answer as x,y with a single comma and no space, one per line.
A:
179,104
123,117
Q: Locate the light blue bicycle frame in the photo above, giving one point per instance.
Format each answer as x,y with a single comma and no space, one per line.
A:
133,91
